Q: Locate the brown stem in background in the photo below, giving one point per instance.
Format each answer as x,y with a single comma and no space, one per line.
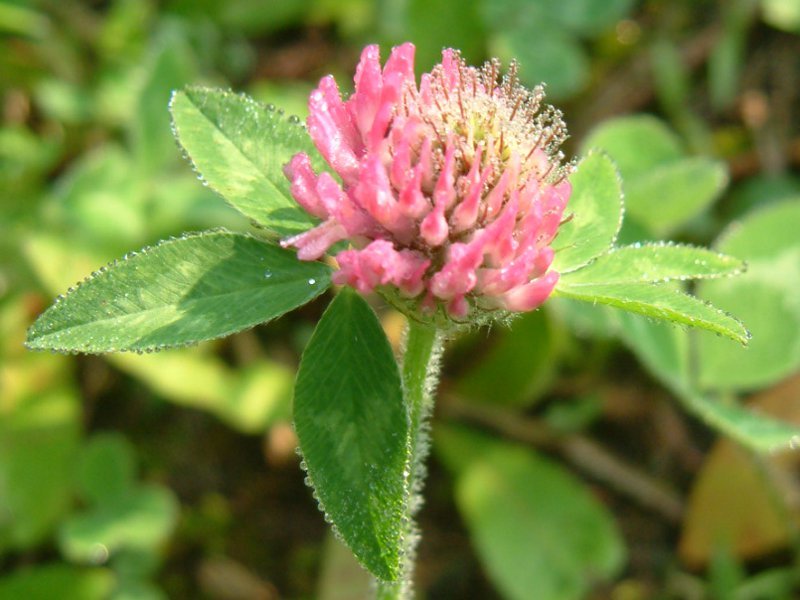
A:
579,450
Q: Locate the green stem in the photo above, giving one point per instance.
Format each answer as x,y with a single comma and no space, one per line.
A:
420,375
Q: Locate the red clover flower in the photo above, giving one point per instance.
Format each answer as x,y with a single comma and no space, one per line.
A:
451,191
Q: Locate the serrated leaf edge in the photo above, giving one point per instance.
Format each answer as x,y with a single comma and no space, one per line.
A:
407,495
739,270
28,343
288,119
743,339
613,241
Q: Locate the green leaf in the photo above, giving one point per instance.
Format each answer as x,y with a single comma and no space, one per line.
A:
659,302
539,532
239,147
596,209
39,434
637,144
131,588
107,469
654,263
353,429
545,53
589,17
436,24
664,189
759,432
502,14
534,32
170,65
670,195
662,348
141,520
194,288
665,351
759,191
101,197
245,17
766,297
71,583
783,14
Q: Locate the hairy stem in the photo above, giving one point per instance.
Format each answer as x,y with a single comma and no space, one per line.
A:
420,373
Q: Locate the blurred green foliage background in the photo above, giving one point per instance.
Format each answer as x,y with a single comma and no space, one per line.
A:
562,467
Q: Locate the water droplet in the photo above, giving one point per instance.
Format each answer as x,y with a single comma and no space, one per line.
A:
312,281
267,274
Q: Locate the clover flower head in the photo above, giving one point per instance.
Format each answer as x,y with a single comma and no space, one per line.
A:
449,192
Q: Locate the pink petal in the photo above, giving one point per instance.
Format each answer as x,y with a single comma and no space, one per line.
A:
451,67
379,263
554,200
400,169
530,295
458,275
433,229
425,164
494,199
410,271
530,264
390,94
508,180
401,61
365,100
329,139
339,113
458,307
313,243
412,201
303,185
466,213
445,193
375,195
339,205
350,273
498,236
530,223
397,74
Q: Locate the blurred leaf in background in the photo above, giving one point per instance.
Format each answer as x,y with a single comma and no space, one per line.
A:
664,189
538,531
549,37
